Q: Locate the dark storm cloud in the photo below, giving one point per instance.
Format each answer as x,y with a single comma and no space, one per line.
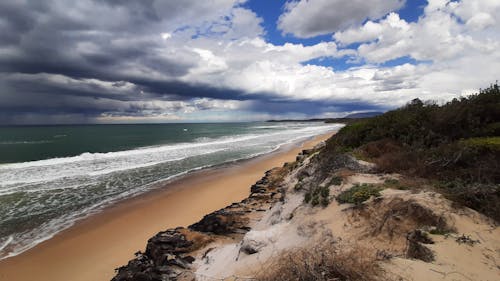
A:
116,41
313,108
81,59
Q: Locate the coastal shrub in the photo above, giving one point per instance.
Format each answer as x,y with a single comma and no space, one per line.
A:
315,200
318,195
483,198
324,191
290,166
458,140
439,231
301,177
358,193
325,201
492,129
307,197
391,182
395,184
336,180
323,262
486,143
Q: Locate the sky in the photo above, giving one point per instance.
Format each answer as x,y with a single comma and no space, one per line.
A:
136,61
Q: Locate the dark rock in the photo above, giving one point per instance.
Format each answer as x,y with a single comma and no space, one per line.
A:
300,158
169,242
189,259
258,188
163,259
307,151
141,276
167,253
221,222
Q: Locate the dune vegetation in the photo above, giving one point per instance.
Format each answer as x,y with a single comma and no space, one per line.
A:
456,145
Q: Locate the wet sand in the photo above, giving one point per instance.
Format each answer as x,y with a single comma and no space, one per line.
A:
95,246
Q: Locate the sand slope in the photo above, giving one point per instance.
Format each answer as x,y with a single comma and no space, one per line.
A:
379,228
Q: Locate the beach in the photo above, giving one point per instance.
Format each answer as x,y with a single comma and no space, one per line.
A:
95,246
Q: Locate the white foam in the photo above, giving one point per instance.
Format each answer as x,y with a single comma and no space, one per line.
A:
67,179
6,243
95,164
25,142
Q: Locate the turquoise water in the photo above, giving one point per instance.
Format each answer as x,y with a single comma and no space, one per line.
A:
51,176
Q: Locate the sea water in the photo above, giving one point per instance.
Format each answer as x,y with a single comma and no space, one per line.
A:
52,176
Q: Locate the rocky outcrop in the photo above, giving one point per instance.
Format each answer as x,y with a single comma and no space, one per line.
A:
165,258
222,222
168,254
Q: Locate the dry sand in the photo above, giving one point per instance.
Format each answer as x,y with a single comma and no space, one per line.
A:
90,250
278,230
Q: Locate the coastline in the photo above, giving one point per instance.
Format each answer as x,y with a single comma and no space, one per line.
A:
93,247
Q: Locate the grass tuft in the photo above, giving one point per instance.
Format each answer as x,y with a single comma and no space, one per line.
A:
359,193
321,263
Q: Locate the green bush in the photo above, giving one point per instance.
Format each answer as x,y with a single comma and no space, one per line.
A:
318,195
488,143
315,200
336,180
325,201
358,193
457,140
307,197
438,231
426,124
395,184
483,198
324,192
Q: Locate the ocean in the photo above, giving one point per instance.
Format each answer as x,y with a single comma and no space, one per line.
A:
52,176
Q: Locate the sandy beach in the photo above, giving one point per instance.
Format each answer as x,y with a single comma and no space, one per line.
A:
92,248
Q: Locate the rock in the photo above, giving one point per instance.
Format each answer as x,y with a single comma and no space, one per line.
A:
258,188
307,151
221,222
141,276
167,244
167,253
300,158
255,240
163,259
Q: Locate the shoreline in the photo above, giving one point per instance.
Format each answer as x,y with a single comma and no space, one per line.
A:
93,247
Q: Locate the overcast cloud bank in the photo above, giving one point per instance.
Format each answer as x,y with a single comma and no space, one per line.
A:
157,61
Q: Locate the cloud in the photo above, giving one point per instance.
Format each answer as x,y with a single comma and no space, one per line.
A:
439,34
119,61
306,19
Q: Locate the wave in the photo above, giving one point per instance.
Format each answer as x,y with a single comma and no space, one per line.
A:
26,183
97,178
24,142
88,156
96,164
6,243
267,127
30,239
